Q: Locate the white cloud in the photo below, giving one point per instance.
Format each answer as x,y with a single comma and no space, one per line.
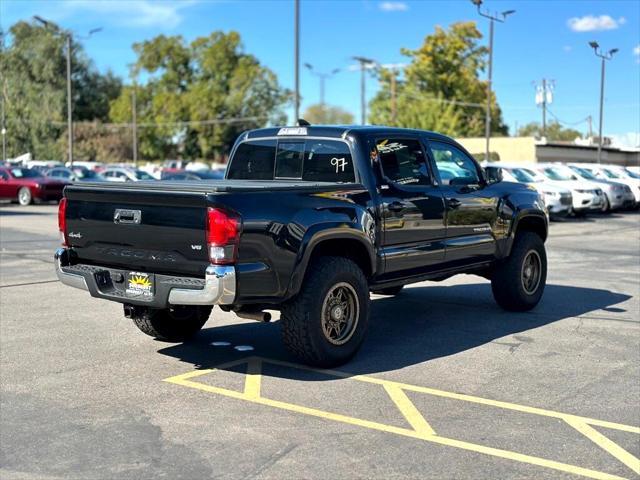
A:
636,50
591,23
393,6
133,13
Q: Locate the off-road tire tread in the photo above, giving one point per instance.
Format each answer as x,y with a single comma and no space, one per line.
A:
505,283
296,333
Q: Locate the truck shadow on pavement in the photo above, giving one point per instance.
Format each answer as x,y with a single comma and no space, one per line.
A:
420,324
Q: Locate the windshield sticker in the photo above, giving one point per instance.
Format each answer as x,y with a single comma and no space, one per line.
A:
339,163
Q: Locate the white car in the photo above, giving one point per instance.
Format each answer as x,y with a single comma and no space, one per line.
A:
617,174
557,199
119,174
617,194
586,196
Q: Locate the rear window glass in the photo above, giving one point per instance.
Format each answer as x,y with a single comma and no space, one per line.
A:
253,161
307,160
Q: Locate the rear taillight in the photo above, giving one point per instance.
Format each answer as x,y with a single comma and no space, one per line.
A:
62,221
223,235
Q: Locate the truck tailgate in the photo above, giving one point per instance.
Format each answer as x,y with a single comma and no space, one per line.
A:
156,231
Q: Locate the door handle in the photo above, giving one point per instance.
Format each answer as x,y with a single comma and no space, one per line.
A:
453,202
395,207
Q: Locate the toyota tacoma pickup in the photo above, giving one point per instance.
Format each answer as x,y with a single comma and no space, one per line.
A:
308,221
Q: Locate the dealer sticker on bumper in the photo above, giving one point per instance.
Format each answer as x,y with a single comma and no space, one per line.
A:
140,284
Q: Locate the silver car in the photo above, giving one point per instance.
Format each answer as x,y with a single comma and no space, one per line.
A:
617,194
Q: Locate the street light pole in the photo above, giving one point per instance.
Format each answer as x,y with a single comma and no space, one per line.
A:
68,37
603,56
134,125
501,17
364,63
323,77
296,55
69,105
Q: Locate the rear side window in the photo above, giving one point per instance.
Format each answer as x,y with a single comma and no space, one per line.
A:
253,161
307,160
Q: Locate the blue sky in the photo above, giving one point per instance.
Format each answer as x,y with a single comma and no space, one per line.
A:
544,38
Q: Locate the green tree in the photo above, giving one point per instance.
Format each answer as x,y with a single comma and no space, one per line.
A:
320,114
200,95
554,132
33,84
441,89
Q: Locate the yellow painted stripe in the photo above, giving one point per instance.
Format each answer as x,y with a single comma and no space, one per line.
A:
409,410
607,444
463,397
253,379
519,457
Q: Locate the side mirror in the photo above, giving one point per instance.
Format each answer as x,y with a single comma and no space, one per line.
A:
493,175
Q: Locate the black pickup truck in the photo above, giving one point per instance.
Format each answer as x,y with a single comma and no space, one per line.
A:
308,221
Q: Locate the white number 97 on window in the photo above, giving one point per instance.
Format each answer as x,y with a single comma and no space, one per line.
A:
339,163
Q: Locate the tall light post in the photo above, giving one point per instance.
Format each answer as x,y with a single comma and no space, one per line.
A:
498,17
68,36
604,56
364,64
323,77
296,60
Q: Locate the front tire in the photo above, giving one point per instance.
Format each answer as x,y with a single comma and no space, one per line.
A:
24,196
325,324
175,324
518,281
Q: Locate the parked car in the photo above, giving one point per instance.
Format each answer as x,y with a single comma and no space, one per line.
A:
308,221
95,166
194,175
586,196
558,200
26,185
605,172
119,174
75,174
617,194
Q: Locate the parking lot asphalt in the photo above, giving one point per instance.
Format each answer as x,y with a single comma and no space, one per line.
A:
447,385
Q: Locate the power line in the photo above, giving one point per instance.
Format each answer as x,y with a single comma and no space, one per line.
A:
165,124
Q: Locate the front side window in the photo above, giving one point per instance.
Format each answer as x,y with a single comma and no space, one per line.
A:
454,167
403,161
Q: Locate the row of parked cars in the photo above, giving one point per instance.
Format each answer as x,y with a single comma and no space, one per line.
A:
45,181
577,188
568,189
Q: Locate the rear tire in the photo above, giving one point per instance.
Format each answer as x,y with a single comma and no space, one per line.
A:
391,291
326,323
606,208
24,196
175,324
518,281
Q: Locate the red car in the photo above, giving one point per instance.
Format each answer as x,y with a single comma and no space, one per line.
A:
26,185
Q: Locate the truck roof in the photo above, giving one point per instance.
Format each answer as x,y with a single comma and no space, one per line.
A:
340,131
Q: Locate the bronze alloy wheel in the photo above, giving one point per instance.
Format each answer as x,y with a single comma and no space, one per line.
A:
340,313
531,272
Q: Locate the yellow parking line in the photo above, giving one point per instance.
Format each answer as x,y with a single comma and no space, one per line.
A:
254,378
463,397
409,410
609,446
420,427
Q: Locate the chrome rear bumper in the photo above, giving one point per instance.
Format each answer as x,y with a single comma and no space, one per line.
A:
217,288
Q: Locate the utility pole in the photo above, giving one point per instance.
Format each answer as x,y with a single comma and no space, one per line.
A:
589,122
604,56
394,99
134,125
492,18
544,96
296,54
3,130
323,77
364,63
